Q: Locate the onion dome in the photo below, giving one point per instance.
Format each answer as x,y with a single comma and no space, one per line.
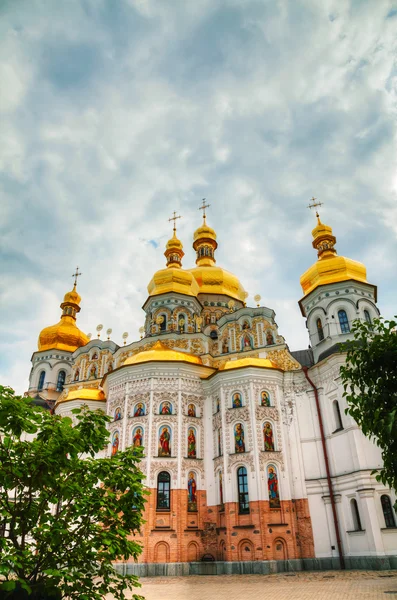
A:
86,394
249,361
329,268
65,335
173,278
161,352
210,278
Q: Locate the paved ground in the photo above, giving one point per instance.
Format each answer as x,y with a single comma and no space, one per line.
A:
350,585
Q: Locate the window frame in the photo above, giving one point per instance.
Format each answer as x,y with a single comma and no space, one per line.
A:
343,321
243,491
390,519
40,385
61,385
164,488
357,525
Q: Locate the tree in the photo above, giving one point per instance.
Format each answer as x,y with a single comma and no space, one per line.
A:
66,516
370,388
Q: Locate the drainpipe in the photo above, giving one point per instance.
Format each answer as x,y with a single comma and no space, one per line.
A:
325,452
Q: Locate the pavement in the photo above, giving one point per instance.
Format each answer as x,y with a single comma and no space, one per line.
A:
324,585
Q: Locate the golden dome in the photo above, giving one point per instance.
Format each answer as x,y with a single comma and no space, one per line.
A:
204,232
174,242
84,394
215,280
329,268
249,361
65,335
161,352
173,279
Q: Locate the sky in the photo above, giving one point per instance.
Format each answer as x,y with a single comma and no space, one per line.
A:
115,113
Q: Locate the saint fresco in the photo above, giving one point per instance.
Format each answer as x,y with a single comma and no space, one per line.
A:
239,443
191,410
192,493
237,400
268,437
139,410
265,398
165,408
165,441
137,437
191,443
272,484
117,414
115,443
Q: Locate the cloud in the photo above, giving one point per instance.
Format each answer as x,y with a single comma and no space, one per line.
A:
116,114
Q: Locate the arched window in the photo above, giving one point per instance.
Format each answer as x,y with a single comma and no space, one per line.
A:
61,380
320,330
368,318
337,416
41,380
355,515
388,512
163,491
343,321
242,484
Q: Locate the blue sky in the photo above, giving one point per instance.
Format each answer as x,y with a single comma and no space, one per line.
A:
115,113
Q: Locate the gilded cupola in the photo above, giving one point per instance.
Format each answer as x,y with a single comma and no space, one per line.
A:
173,278
65,335
210,278
329,268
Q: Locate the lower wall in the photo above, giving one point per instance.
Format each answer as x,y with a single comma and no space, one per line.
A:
366,563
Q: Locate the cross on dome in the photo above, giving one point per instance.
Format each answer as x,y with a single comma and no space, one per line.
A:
203,207
75,275
314,204
174,218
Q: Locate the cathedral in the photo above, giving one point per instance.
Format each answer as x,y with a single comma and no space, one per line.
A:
251,462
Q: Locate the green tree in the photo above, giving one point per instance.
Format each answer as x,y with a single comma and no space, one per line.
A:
66,516
370,383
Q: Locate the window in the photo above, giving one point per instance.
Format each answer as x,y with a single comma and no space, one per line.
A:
355,515
163,491
320,330
163,324
388,512
343,322
337,416
61,380
41,380
242,484
368,318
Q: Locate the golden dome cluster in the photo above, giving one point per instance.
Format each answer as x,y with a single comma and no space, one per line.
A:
205,278
329,268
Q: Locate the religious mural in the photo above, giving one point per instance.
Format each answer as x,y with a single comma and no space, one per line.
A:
165,408
268,437
237,400
94,356
225,346
191,443
115,442
246,325
93,372
265,398
139,410
272,484
137,437
191,493
117,414
246,342
165,440
269,338
239,443
191,410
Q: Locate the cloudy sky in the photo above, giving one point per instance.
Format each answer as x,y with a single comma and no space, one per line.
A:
114,113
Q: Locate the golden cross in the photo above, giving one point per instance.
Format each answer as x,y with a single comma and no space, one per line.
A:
174,218
203,207
75,275
314,204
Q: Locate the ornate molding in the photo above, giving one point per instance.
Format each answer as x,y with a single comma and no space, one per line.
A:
237,414
245,458
267,412
271,457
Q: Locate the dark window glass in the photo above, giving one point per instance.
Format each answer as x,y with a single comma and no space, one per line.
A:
388,512
163,491
163,325
61,380
367,316
355,515
242,483
41,380
337,415
343,321
320,330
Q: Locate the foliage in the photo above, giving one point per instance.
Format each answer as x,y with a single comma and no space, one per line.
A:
67,515
370,383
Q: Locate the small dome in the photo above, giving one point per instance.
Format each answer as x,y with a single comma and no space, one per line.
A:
173,279
204,232
84,394
174,243
72,297
161,352
249,361
65,335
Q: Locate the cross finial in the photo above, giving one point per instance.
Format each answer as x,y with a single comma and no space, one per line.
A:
75,275
174,218
314,204
203,207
